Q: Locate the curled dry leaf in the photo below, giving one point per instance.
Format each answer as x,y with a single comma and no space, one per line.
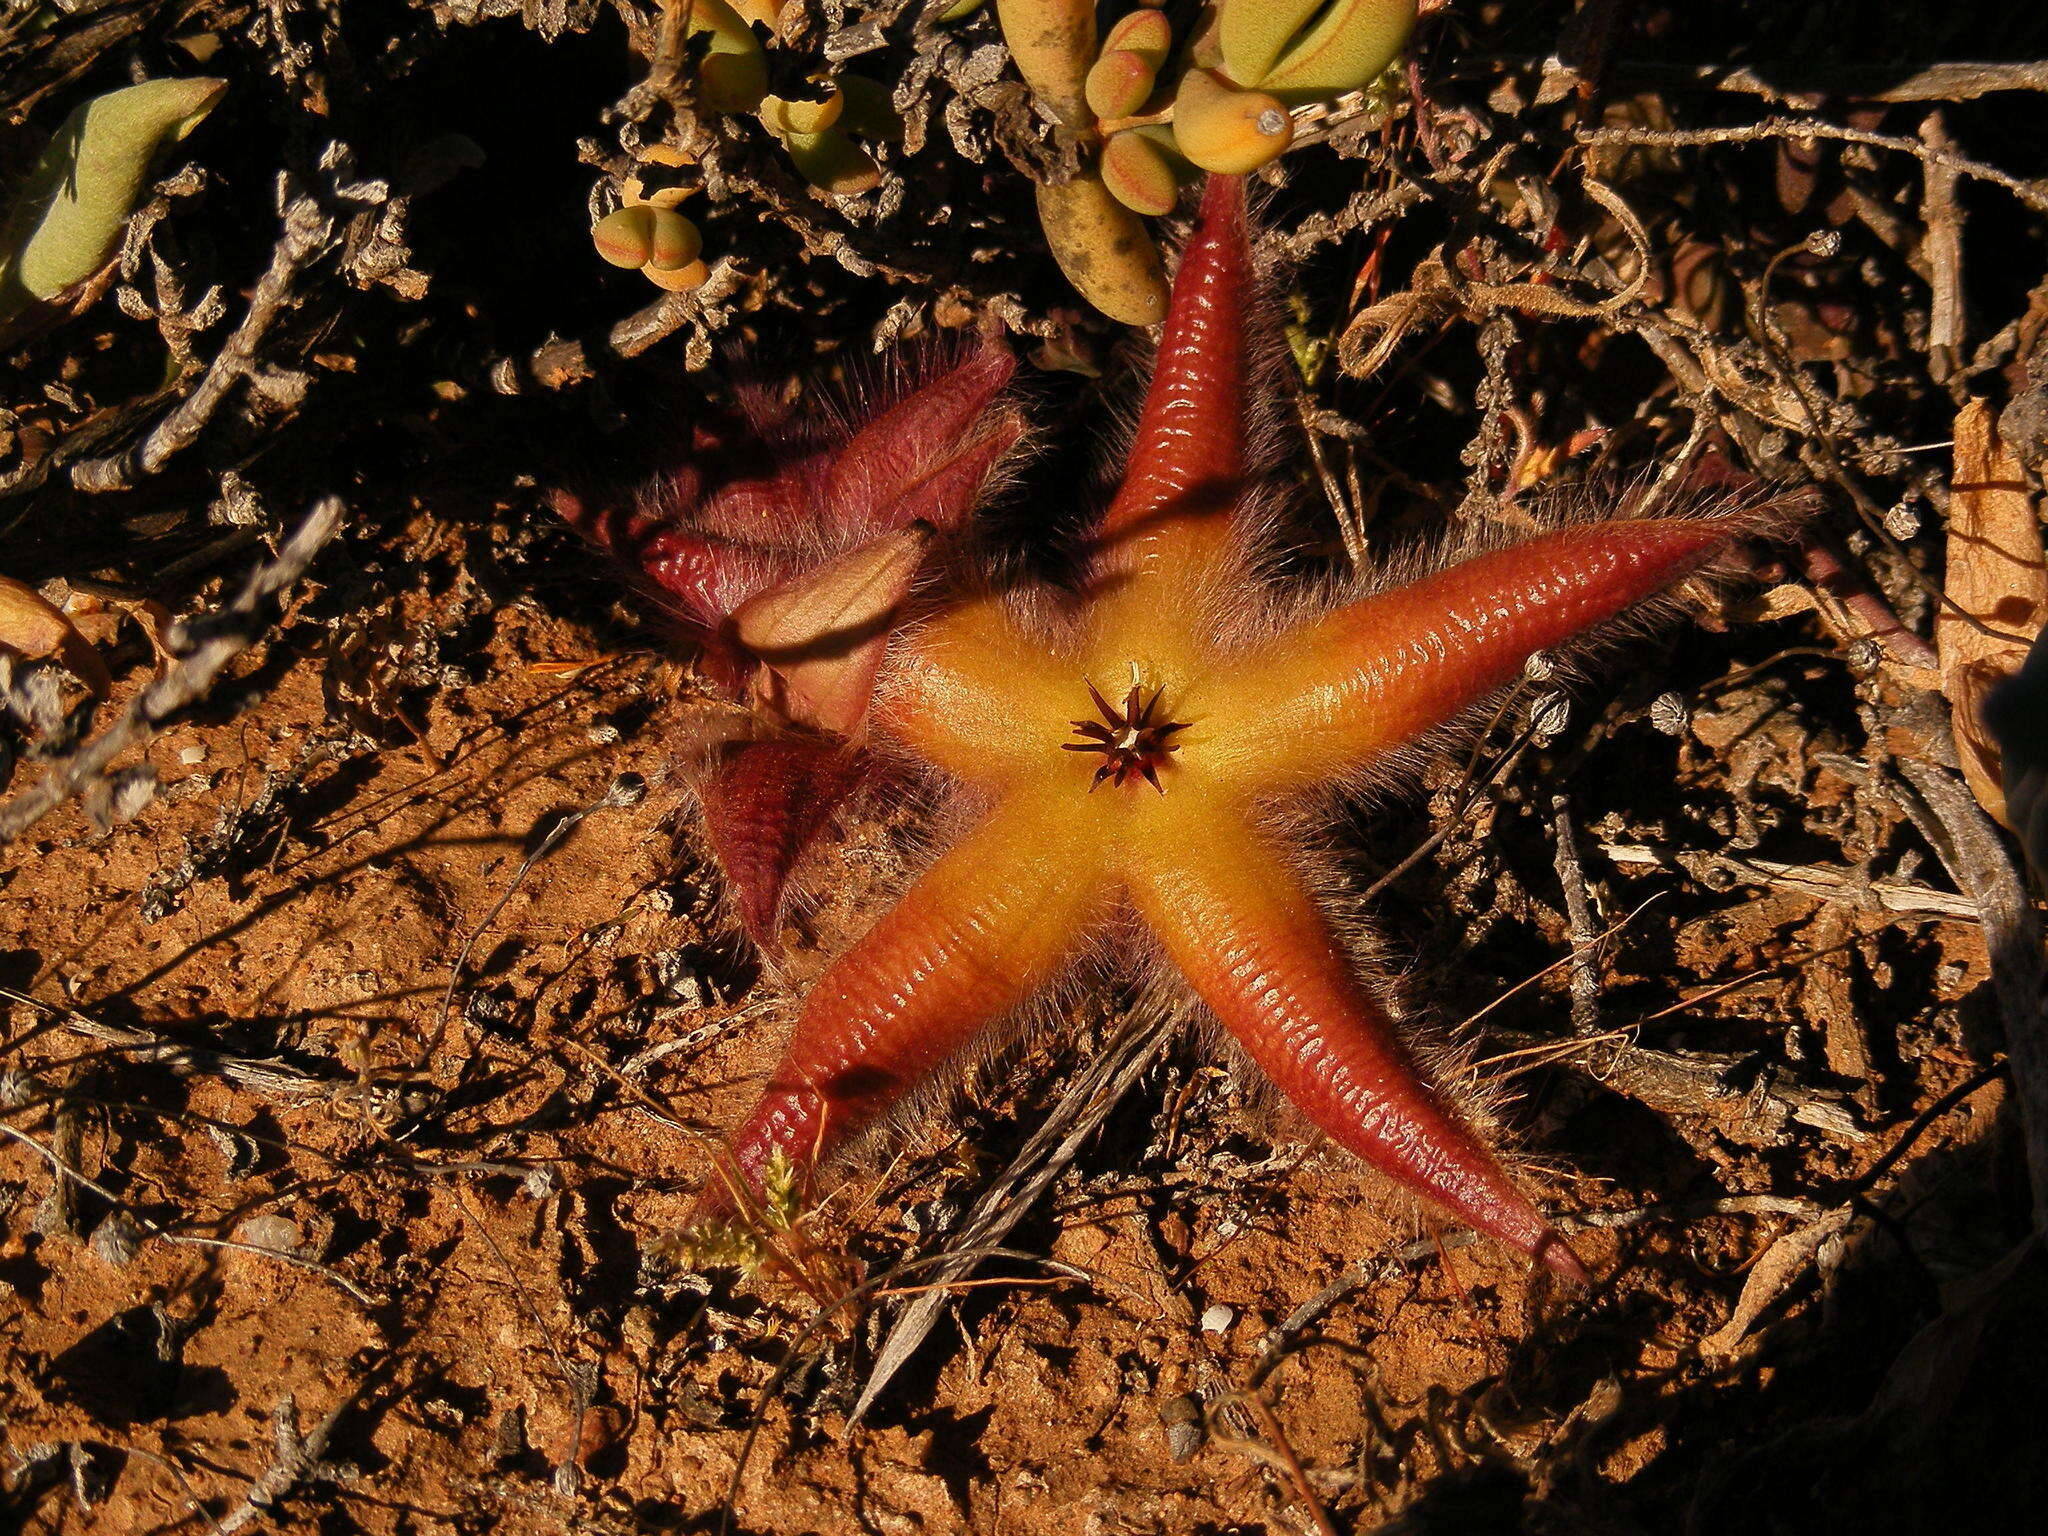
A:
1772,1276
31,626
1996,591
2017,715
821,637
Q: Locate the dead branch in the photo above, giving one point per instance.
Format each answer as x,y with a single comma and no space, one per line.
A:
271,1079
1082,1108
299,1458
214,641
1977,856
1694,1082
2028,192
308,231
1795,85
560,363
1849,887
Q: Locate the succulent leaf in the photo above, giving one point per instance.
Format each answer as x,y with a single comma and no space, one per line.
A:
687,278
1147,33
625,236
1346,49
673,241
69,215
1053,43
868,111
801,114
1252,34
1223,129
1139,170
733,76
1119,83
1104,249
832,162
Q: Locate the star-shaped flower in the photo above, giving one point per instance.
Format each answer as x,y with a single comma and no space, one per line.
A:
1133,751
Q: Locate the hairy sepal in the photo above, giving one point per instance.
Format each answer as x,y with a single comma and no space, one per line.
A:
788,514
766,802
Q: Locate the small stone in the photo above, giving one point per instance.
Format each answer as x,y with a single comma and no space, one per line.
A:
540,1182
1182,1417
115,1240
273,1234
1218,1318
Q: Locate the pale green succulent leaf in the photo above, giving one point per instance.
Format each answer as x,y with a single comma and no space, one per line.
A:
1254,33
68,217
733,76
1346,49
832,162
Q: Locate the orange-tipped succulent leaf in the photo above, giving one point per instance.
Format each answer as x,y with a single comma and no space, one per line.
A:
1137,169
1119,83
1225,129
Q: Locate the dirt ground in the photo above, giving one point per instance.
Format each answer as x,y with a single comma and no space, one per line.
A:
450,1200
355,1088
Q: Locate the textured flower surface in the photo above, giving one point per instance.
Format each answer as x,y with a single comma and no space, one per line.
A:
1128,749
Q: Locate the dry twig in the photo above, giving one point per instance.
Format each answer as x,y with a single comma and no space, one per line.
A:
213,641
1082,1108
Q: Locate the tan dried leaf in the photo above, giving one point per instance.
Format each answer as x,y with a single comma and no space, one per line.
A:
1997,590
821,637
1772,1276
33,627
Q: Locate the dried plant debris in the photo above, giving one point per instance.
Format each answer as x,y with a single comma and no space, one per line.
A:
371,1001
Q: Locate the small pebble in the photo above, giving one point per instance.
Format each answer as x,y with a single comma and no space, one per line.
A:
116,1239
191,756
1218,1319
277,1234
1182,1417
